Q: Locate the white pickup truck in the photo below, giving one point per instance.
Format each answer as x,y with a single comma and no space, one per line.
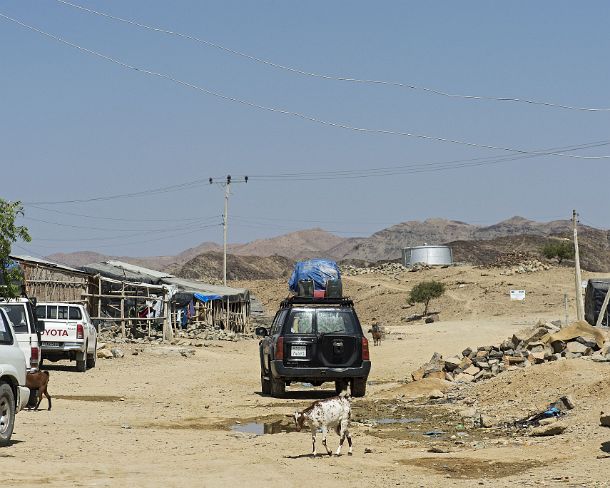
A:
68,334
20,312
13,392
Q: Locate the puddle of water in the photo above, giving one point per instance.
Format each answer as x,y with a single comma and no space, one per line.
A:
261,428
90,398
388,421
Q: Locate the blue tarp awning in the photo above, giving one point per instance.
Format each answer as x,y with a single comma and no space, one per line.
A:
206,298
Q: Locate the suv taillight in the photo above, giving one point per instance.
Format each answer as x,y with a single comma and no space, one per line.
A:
365,349
279,348
34,356
80,334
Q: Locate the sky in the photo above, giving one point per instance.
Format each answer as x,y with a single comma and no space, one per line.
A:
75,126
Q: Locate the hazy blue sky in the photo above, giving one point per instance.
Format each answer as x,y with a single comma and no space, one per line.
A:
74,126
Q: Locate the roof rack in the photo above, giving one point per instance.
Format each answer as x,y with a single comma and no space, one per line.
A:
298,300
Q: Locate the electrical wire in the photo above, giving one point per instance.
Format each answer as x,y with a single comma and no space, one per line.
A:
312,74
155,191
106,229
117,219
111,238
298,115
410,168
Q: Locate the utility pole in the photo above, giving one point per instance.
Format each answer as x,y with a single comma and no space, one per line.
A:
225,221
580,306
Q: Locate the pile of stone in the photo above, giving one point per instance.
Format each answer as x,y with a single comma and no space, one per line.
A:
194,332
518,262
210,333
388,269
547,342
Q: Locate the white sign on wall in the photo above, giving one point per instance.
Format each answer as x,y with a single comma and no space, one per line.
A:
517,294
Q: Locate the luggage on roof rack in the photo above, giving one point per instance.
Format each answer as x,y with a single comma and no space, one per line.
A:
320,272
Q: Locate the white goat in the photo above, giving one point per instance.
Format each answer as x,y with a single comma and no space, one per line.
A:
324,414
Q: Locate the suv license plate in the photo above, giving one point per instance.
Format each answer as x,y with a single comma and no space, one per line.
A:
298,351
51,344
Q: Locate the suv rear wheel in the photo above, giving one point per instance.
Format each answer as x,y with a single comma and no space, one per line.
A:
278,387
359,387
340,385
265,385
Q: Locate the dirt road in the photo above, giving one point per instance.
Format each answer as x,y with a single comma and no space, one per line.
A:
161,419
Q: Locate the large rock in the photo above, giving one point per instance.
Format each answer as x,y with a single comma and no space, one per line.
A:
536,335
464,378
555,428
575,347
604,420
472,370
452,363
104,354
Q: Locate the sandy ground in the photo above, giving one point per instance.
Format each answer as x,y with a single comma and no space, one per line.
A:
160,419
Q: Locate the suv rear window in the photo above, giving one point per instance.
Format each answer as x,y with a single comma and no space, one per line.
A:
300,322
334,321
17,315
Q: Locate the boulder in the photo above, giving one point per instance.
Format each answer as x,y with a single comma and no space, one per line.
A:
555,428
464,378
587,342
604,420
536,335
536,357
452,363
472,370
104,354
117,353
576,347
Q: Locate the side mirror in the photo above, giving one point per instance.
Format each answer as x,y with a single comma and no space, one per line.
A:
261,331
34,301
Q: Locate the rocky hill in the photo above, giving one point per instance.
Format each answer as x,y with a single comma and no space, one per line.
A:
472,243
296,245
209,267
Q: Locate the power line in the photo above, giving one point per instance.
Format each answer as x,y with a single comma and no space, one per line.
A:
312,74
112,238
106,229
298,115
155,191
410,168
117,219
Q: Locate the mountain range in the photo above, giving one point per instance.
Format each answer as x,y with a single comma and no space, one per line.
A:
471,243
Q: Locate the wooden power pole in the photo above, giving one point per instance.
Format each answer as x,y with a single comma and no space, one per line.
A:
580,306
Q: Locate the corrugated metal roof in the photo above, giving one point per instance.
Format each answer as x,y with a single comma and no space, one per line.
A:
130,272
44,262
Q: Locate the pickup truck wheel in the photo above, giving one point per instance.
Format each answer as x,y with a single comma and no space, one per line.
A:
91,358
358,387
265,385
7,413
278,387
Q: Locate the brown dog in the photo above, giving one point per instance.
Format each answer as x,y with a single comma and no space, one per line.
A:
40,381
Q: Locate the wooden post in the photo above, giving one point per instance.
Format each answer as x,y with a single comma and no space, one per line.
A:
602,312
580,306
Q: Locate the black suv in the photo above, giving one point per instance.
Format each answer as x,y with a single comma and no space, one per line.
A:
314,340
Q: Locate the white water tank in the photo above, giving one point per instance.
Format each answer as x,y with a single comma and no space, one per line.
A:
432,255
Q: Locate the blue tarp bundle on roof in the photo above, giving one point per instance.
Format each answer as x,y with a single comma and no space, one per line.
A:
317,270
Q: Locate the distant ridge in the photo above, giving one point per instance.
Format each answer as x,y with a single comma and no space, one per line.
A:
386,244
